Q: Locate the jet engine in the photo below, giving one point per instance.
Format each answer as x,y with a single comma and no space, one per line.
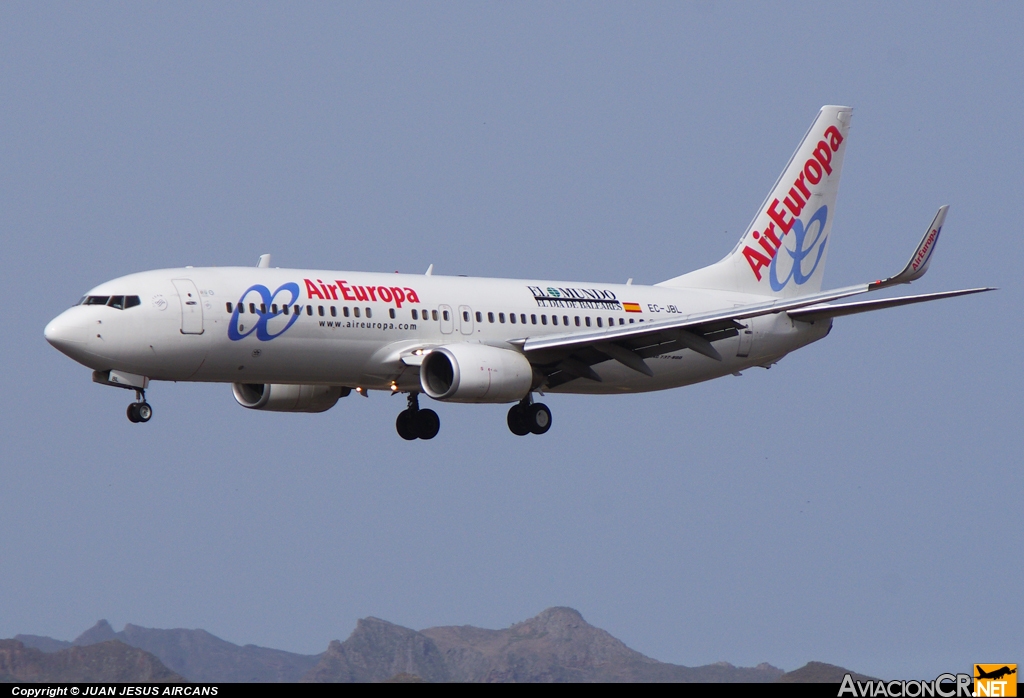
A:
275,397
475,373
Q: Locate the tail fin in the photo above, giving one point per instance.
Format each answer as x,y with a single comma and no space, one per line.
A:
783,251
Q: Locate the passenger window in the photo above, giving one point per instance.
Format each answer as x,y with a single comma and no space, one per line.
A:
631,321
622,321
391,312
228,306
356,311
414,314
490,317
334,311
252,308
273,308
465,315
132,301
565,320
588,321
522,318
369,313
611,322
285,309
309,310
446,315
543,319
320,310
433,314
344,311
479,317
512,318
554,319
263,308
577,321
501,318
241,309
599,322
533,319
298,310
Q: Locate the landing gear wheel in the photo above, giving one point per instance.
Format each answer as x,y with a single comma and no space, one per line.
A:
538,417
427,424
517,421
144,411
405,425
133,413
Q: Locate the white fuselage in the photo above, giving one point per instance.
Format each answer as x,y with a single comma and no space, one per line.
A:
353,328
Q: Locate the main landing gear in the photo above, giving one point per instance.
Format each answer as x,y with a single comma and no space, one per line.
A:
529,417
414,423
139,412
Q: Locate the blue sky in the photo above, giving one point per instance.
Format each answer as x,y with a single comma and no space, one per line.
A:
855,504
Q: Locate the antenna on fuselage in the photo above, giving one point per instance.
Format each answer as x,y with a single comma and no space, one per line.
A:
264,261
430,270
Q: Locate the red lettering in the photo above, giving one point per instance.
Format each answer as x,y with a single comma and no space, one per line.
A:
360,293
769,232
835,138
813,171
312,291
384,293
799,183
346,292
765,245
373,292
411,296
756,260
823,154
334,292
794,203
398,295
779,217
323,287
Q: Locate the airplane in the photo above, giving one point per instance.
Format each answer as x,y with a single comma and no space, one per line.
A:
298,340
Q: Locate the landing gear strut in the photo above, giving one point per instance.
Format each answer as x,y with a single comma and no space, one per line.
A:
139,411
529,417
414,423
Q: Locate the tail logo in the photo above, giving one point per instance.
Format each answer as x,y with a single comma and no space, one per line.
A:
816,227
786,214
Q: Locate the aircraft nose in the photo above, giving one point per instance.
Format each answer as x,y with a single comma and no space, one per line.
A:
65,332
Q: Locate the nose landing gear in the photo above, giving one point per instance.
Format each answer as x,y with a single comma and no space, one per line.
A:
414,423
529,417
140,412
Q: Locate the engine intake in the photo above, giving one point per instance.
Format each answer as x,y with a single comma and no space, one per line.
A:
276,397
475,373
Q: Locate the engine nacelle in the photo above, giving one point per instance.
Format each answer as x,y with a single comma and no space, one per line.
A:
475,373
276,397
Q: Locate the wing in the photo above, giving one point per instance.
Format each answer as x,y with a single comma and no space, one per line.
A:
568,356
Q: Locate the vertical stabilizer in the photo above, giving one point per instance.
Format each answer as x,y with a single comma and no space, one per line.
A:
783,251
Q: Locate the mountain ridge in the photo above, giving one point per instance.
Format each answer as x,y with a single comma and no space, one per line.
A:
556,645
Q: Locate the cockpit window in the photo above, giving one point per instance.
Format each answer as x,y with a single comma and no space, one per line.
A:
119,302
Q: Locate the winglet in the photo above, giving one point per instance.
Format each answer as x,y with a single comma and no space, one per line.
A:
264,261
922,257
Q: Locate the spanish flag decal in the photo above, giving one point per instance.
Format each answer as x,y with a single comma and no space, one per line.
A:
631,307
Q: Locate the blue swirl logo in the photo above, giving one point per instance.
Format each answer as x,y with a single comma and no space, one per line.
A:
262,304
801,251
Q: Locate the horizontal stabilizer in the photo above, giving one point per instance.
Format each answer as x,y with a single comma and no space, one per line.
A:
825,311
